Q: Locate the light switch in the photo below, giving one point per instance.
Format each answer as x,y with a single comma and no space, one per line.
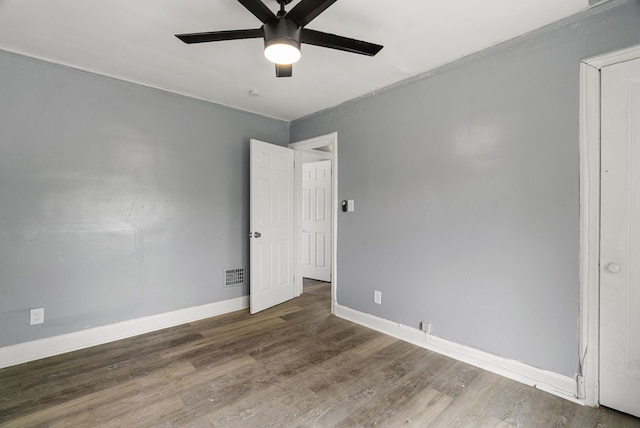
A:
350,205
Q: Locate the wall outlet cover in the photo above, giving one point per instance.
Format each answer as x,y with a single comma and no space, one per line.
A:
36,316
377,297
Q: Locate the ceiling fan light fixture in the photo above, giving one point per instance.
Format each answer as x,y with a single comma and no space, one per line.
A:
282,41
282,51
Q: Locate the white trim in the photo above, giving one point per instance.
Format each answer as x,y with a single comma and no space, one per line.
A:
306,145
589,232
589,317
319,154
297,212
554,383
37,349
610,58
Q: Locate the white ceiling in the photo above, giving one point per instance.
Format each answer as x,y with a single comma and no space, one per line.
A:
134,40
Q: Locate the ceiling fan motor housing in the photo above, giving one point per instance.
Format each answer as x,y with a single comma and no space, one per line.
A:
282,30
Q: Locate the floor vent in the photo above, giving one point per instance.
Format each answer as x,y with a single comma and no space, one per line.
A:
233,277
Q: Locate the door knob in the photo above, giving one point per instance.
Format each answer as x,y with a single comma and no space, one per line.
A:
257,234
613,268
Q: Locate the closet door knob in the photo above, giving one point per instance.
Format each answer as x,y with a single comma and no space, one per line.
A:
613,268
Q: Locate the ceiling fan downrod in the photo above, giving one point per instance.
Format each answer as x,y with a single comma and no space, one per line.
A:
282,3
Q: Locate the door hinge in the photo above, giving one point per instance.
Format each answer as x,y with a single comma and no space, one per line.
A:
581,391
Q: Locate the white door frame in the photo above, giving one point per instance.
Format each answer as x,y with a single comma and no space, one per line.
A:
589,316
300,147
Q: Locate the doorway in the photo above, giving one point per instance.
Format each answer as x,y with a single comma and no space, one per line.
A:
319,149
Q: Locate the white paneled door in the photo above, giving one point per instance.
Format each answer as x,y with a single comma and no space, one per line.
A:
272,228
620,238
316,220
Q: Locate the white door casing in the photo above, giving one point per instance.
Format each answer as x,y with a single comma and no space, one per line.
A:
620,237
316,220
328,144
272,226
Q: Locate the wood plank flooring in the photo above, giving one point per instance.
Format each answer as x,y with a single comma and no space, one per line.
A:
294,365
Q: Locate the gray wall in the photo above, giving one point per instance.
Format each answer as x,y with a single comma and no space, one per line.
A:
116,201
466,190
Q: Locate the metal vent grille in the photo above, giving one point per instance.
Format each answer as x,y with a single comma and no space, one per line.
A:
233,277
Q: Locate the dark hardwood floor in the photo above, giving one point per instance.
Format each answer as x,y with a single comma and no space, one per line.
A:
294,365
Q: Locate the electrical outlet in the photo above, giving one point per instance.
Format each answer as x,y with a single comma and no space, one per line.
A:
425,326
36,316
377,297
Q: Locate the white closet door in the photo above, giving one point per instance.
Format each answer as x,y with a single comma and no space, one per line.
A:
620,238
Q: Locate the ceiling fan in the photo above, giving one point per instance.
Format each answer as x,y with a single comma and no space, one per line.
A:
283,33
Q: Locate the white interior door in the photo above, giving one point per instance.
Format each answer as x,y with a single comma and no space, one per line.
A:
272,228
620,238
316,220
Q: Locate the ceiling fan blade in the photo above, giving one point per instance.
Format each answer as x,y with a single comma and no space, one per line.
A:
216,36
259,10
284,70
318,38
307,10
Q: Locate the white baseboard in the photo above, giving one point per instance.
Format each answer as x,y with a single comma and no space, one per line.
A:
554,383
34,350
